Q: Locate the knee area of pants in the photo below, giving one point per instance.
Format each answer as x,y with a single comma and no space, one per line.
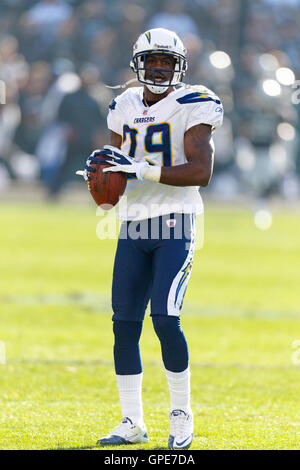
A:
165,326
127,331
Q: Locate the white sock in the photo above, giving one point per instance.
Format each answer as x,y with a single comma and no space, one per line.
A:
179,386
130,393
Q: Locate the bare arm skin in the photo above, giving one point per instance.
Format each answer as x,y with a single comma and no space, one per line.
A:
115,139
199,151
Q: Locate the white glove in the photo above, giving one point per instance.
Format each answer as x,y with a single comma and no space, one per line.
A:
120,161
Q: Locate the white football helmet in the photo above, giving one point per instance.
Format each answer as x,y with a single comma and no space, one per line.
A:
159,41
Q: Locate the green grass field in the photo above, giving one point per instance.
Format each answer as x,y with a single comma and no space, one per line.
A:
241,316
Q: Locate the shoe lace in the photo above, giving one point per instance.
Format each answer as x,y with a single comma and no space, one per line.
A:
125,424
178,423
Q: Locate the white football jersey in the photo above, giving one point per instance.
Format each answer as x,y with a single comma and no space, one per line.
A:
156,134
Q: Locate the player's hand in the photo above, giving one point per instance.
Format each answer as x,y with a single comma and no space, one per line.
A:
98,156
120,161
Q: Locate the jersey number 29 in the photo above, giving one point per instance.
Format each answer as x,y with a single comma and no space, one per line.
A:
157,140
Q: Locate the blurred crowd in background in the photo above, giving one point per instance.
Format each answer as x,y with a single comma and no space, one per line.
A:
56,56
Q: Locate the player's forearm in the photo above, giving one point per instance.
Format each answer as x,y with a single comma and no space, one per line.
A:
188,174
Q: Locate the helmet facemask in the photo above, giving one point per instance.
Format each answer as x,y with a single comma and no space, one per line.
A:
173,77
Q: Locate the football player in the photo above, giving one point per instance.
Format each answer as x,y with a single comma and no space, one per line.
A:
161,136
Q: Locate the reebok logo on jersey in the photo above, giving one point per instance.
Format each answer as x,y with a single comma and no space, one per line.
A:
144,119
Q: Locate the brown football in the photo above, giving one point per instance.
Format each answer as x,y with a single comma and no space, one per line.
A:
106,188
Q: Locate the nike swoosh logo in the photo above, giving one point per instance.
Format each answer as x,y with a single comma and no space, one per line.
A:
181,443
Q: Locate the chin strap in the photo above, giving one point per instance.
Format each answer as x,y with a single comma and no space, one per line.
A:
132,80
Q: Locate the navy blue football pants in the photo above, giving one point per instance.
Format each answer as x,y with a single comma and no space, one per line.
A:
153,263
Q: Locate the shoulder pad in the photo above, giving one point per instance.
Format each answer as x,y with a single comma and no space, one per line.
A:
122,99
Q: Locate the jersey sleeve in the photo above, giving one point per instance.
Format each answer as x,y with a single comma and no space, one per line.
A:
209,111
114,118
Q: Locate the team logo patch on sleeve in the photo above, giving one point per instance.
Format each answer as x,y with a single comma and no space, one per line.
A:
112,104
197,98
